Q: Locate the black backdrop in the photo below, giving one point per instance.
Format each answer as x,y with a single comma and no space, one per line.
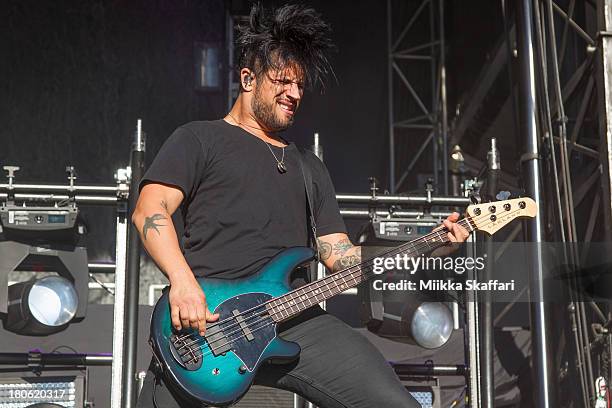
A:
78,75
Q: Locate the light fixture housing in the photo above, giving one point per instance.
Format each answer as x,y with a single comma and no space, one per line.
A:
39,307
429,324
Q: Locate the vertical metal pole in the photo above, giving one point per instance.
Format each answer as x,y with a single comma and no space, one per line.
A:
472,335
434,98
229,38
119,308
390,116
443,102
566,178
604,96
133,276
317,149
488,384
298,401
574,258
542,359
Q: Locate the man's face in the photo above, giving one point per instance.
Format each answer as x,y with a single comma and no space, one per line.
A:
276,98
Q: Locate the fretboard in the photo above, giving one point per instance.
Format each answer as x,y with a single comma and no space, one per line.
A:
298,300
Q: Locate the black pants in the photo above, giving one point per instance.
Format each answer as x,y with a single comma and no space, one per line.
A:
337,368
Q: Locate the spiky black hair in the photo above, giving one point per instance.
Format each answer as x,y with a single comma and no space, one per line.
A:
292,34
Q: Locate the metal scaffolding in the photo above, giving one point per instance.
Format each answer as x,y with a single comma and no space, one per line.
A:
572,90
416,113
578,153
570,84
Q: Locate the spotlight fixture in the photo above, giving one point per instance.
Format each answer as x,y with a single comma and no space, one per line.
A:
415,317
40,307
426,324
430,324
46,240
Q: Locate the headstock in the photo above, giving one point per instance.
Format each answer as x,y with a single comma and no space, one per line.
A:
490,217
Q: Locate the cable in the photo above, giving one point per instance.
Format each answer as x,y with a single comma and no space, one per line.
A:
66,347
155,383
106,288
457,400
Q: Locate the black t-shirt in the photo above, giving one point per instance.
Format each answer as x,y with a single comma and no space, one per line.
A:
238,210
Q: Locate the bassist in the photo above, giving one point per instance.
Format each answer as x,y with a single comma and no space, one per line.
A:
238,185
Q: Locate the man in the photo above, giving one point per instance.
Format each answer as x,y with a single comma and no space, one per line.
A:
241,192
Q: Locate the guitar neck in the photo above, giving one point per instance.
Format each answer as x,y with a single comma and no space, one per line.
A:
298,300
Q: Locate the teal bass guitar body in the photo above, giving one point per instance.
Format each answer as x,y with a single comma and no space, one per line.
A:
219,368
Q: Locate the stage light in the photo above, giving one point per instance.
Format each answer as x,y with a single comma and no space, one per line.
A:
41,306
430,324
415,317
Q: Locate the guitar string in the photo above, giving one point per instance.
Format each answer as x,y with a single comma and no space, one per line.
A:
366,264
400,248
232,340
252,330
422,241
266,321
405,245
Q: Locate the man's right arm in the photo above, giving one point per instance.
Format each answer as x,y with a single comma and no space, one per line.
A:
153,220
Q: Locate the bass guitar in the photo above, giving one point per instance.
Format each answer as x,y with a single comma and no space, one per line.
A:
218,368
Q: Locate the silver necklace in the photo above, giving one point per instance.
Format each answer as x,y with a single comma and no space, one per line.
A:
280,164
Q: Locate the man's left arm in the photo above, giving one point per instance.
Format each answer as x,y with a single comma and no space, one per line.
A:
337,252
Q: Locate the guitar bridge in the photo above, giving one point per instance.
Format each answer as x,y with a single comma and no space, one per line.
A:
186,351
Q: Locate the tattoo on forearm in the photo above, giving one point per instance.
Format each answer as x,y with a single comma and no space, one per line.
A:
150,224
325,249
347,261
342,246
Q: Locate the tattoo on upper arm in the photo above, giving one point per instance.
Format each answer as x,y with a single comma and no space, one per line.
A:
149,223
325,249
342,246
347,261
164,205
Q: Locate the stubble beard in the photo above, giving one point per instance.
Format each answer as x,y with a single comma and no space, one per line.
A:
266,116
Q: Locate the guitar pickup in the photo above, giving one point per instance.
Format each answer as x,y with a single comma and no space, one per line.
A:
217,341
243,325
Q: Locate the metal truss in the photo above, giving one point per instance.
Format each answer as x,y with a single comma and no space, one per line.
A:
573,88
573,94
576,93
417,115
